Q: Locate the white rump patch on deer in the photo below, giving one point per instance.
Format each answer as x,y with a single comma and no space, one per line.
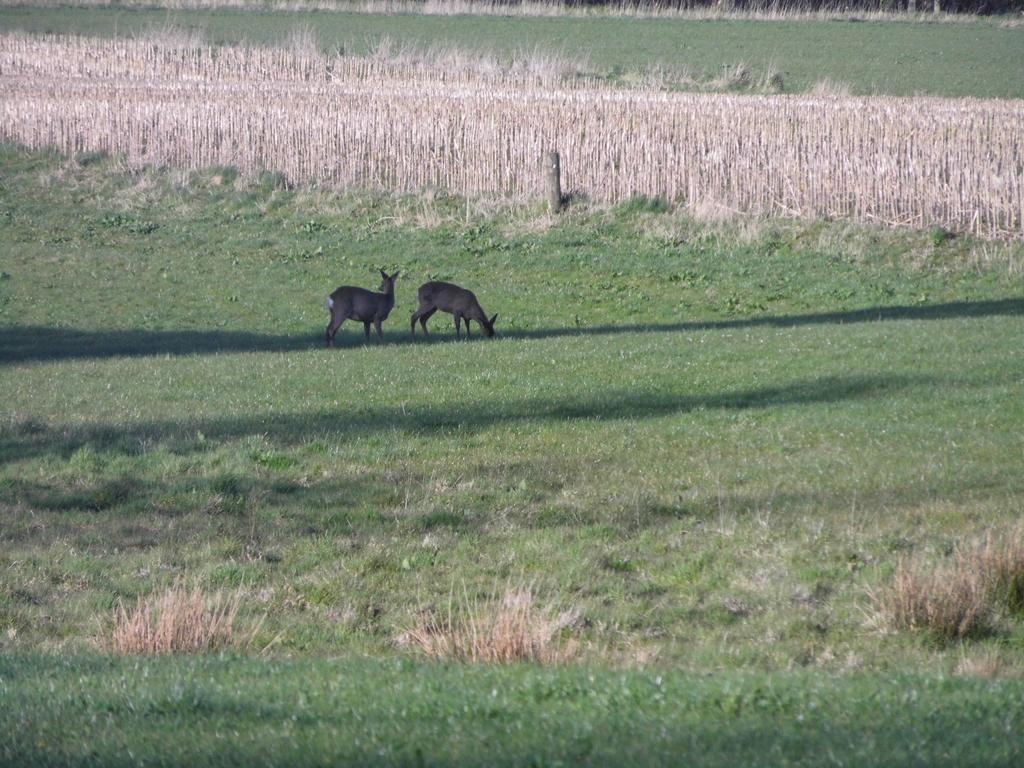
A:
330,303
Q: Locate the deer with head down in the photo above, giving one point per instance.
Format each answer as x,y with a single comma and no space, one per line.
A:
351,303
455,300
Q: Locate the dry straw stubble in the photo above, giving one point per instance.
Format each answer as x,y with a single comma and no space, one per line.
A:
180,620
961,598
407,124
503,630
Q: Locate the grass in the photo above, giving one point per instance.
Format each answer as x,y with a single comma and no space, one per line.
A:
960,598
894,58
179,621
509,628
685,431
104,711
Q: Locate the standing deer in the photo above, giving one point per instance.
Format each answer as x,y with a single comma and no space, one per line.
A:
450,298
349,302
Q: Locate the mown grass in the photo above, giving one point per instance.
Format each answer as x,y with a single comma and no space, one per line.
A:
708,439
893,58
98,711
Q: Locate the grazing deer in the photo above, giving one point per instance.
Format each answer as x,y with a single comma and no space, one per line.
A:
349,302
450,298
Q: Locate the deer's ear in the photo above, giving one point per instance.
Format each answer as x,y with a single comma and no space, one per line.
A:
491,322
395,276
384,274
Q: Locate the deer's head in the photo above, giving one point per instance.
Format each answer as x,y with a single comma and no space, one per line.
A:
387,283
489,325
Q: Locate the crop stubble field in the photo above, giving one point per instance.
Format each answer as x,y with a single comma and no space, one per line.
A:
979,60
709,440
351,122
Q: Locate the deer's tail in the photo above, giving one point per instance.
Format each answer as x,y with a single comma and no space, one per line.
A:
330,304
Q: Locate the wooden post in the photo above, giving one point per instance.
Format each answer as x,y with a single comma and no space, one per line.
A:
554,183
937,7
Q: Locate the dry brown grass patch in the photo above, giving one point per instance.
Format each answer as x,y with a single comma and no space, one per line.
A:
949,602
961,598
502,630
999,562
181,620
987,663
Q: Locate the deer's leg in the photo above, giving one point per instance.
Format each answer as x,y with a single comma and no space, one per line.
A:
332,327
458,326
412,321
376,324
424,317
468,334
366,327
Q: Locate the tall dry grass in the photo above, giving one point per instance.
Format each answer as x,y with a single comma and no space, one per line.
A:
406,123
503,630
703,10
961,598
179,621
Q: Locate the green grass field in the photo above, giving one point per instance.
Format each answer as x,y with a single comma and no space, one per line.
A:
904,59
677,417
212,711
711,439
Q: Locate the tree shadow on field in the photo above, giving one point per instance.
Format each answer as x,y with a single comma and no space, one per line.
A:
29,439
20,344
949,310
129,513
39,343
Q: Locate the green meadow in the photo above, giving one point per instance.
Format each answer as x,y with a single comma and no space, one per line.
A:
243,712
969,59
713,441
676,417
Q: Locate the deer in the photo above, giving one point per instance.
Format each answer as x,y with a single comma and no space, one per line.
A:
351,303
450,298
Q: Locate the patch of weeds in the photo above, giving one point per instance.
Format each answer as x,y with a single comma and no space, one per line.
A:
85,460
298,255
285,487
87,159
643,204
312,227
327,595
223,175
128,224
940,236
237,575
618,564
114,493
228,484
442,519
271,181
272,460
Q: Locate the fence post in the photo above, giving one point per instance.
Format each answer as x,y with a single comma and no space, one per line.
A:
554,183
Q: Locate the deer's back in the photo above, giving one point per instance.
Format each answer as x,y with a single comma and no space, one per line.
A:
361,303
446,296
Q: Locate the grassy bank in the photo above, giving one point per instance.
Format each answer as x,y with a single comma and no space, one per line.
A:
709,439
246,712
892,58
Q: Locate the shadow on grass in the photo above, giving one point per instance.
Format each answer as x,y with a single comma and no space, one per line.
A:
38,344
27,439
128,513
949,310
